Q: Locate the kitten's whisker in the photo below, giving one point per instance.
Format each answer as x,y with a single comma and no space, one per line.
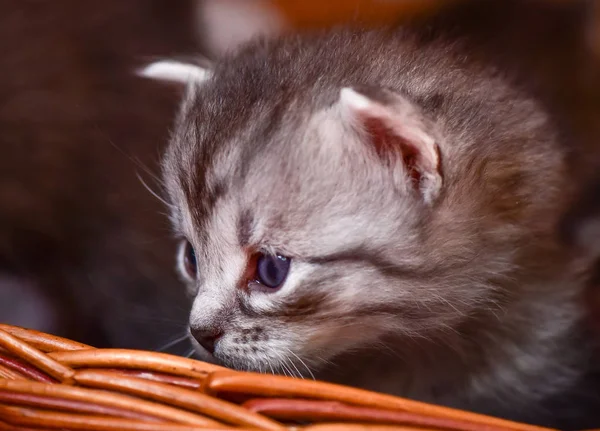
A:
286,369
153,193
294,366
174,342
304,364
157,179
190,353
135,160
325,361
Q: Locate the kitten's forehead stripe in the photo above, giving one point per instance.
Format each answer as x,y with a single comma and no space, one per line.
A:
245,222
202,190
358,255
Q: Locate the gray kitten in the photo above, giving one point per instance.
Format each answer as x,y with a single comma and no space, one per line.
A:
374,208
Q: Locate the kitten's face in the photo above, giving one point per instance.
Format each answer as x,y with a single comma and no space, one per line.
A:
327,214
318,224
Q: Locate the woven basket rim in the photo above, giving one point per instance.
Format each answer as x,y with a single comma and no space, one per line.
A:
49,382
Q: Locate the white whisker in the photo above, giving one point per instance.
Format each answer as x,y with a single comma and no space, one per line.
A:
153,193
286,370
304,364
173,342
294,366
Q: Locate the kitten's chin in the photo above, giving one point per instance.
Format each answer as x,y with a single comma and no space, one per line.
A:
285,366
222,359
234,362
244,364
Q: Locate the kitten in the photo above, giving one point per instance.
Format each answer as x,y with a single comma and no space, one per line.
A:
376,209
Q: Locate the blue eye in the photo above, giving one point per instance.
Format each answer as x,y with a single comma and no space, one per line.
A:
272,271
189,260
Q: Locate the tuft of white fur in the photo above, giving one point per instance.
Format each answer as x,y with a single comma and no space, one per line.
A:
351,99
167,70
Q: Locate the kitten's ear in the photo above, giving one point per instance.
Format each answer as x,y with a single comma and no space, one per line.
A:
173,71
400,135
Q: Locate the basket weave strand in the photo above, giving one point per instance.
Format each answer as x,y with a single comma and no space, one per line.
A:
42,341
34,356
49,383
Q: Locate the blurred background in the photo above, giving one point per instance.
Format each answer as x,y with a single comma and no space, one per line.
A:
85,247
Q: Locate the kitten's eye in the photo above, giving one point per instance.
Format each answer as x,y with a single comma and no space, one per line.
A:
272,271
189,260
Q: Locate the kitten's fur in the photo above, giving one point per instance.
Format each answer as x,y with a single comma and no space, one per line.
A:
453,291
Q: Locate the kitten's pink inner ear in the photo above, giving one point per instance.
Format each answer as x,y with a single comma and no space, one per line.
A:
396,127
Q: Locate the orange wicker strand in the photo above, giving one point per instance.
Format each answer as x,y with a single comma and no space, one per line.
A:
51,403
108,399
163,378
24,370
36,357
286,408
120,358
363,427
41,341
280,386
30,417
6,427
202,403
7,373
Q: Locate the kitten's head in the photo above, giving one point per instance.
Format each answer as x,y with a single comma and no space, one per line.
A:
329,198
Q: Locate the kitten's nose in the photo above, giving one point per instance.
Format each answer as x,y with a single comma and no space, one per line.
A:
207,338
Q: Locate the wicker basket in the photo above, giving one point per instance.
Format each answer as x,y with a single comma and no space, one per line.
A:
47,382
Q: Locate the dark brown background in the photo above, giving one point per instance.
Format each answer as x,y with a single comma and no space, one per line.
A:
76,125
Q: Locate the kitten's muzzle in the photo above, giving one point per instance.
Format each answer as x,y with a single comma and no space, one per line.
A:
207,338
